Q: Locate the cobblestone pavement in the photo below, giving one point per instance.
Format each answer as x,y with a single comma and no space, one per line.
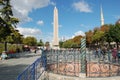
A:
11,68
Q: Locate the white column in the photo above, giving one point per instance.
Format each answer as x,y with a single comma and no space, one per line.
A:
102,17
55,31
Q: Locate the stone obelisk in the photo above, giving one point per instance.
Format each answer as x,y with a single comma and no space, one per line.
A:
55,30
102,17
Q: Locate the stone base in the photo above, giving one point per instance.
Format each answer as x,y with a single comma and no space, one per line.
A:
82,75
55,47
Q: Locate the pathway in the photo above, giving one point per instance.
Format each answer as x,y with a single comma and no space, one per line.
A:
61,77
11,68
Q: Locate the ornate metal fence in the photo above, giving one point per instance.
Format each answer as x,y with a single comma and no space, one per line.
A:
68,62
102,65
34,71
65,62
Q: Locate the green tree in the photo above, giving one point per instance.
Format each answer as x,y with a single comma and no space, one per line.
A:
108,37
40,43
7,20
31,41
98,37
7,14
75,45
89,35
61,44
4,31
115,33
68,43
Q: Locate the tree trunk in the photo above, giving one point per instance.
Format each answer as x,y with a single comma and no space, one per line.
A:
117,45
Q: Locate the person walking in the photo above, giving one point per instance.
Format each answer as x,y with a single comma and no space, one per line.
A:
114,54
118,55
99,53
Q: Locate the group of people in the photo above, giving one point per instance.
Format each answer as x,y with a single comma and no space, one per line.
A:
100,53
112,54
9,54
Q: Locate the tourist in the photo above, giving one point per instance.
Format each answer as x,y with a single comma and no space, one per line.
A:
114,54
103,52
99,53
118,54
95,52
109,54
4,55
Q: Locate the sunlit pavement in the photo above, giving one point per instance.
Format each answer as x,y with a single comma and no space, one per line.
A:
11,68
52,76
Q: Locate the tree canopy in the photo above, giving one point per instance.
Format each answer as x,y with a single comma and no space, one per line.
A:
7,20
31,41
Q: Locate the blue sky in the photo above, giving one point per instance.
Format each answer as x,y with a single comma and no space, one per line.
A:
75,16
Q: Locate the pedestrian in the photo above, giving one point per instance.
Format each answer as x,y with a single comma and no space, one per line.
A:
103,52
99,53
114,54
4,55
118,55
109,54
94,52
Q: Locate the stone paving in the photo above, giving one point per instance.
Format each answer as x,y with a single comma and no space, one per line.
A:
61,77
11,68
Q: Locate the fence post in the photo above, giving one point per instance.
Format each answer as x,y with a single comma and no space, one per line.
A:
33,71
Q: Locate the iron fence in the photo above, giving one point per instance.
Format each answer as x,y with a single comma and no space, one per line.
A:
102,65
68,62
65,62
34,71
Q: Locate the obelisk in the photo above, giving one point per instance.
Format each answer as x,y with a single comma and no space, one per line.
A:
55,30
102,17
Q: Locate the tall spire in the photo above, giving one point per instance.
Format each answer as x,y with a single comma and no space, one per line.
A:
55,30
102,17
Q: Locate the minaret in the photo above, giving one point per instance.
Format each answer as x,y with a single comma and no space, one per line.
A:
55,31
102,17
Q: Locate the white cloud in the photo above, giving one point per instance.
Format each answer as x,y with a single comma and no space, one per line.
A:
117,16
29,31
79,33
53,3
71,37
22,8
82,25
60,25
82,6
40,22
